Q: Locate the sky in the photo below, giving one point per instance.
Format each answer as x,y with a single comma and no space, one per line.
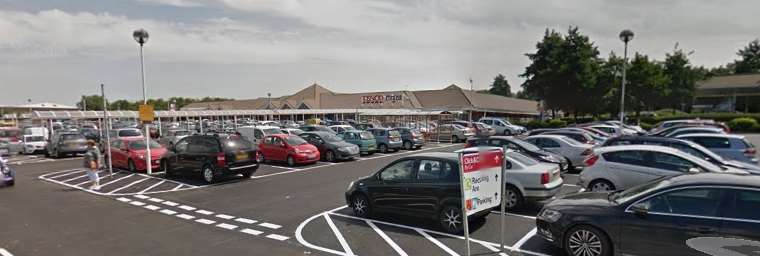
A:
57,50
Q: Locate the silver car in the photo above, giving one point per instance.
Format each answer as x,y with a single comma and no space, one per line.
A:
453,132
693,129
529,180
63,144
574,151
622,167
729,146
172,136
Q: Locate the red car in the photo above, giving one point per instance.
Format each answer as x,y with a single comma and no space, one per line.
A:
130,154
287,148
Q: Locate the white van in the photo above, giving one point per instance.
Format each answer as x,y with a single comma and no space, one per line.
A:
256,133
37,131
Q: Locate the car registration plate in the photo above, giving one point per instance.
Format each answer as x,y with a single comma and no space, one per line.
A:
241,156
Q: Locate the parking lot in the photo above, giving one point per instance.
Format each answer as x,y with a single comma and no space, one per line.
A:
280,210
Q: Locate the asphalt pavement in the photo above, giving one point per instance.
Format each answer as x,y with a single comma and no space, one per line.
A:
279,211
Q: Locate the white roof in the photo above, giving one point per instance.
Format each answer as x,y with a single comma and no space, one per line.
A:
254,112
716,135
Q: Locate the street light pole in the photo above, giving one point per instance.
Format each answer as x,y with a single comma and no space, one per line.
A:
626,36
141,36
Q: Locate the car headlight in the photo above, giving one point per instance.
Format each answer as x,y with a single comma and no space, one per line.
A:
141,156
549,215
547,158
343,149
350,185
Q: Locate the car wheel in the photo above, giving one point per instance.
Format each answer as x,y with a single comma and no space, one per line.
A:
513,199
601,186
330,156
208,174
11,183
570,167
291,161
165,168
408,145
57,154
247,173
454,139
383,148
260,157
360,206
587,241
451,219
507,132
131,166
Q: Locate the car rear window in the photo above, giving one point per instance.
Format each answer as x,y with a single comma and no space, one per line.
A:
747,143
72,137
140,144
272,131
367,135
394,134
236,143
713,142
129,133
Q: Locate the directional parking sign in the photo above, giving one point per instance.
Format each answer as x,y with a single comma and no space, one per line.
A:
481,179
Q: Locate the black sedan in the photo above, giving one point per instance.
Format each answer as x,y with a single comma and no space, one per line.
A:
331,147
522,147
681,215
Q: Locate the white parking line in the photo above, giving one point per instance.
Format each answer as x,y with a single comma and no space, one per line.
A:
152,207
277,237
438,243
129,185
65,174
204,212
177,187
151,187
185,216
246,221
77,177
225,216
525,238
4,252
516,215
137,203
116,180
124,199
387,239
156,200
270,225
187,208
251,231
205,221
168,212
227,226
337,233
142,196
170,203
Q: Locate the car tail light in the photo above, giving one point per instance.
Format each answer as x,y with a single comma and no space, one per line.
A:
221,160
545,177
586,152
750,152
591,160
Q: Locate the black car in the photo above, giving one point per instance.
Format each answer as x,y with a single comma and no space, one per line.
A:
685,146
520,146
212,156
421,185
331,147
91,134
680,215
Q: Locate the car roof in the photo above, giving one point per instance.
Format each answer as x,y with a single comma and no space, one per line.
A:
281,135
445,155
717,179
319,133
685,128
267,127
640,147
716,135
559,137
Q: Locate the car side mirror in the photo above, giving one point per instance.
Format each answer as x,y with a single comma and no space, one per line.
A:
640,209
693,170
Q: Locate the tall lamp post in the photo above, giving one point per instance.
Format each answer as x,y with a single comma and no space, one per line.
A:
626,36
141,36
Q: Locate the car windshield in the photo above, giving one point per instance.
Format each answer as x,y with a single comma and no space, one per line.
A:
367,136
72,137
331,138
129,133
9,133
624,196
526,145
394,134
140,144
234,143
269,131
35,138
571,141
294,131
522,159
458,126
295,140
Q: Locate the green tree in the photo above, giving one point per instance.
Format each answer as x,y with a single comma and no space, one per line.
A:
500,86
682,79
750,58
608,85
646,87
93,102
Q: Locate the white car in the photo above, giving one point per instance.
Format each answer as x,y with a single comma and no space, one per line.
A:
292,131
692,130
529,180
256,133
612,129
622,167
502,126
574,151
33,144
341,128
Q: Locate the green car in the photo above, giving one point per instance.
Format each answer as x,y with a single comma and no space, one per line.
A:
365,140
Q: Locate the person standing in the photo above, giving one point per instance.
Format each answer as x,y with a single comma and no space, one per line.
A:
92,164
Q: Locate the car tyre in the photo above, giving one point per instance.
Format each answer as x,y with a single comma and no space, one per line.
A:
166,169
601,186
408,145
507,132
454,139
260,157
383,148
11,183
570,166
209,174
247,173
360,206
513,199
586,240
451,219
330,156
131,166
291,161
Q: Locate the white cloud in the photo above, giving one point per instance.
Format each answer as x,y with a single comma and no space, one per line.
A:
177,3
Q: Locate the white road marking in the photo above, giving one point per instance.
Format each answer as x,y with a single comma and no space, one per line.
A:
277,237
168,212
137,203
128,185
152,207
116,180
225,216
227,226
170,203
337,233
177,187
246,221
82,183
493,249
387,239
65,174
301,240
525,238
187,208
77,177
515,215
4,252
156,200
251,231
204,212
124,199
205,221
142,196
438,243
185,216
151,187
270,225
571,185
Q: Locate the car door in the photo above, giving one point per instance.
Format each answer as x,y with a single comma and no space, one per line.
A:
201,151
432,183
179,153
672,218
279,149
721,146
665,164
741,219
117,157
392,191
629,168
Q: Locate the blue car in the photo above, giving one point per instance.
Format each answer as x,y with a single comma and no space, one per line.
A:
7,175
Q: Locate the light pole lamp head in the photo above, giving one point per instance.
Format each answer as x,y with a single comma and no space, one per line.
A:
140,36
626,36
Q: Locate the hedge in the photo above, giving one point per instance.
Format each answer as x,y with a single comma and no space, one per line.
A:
742,124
